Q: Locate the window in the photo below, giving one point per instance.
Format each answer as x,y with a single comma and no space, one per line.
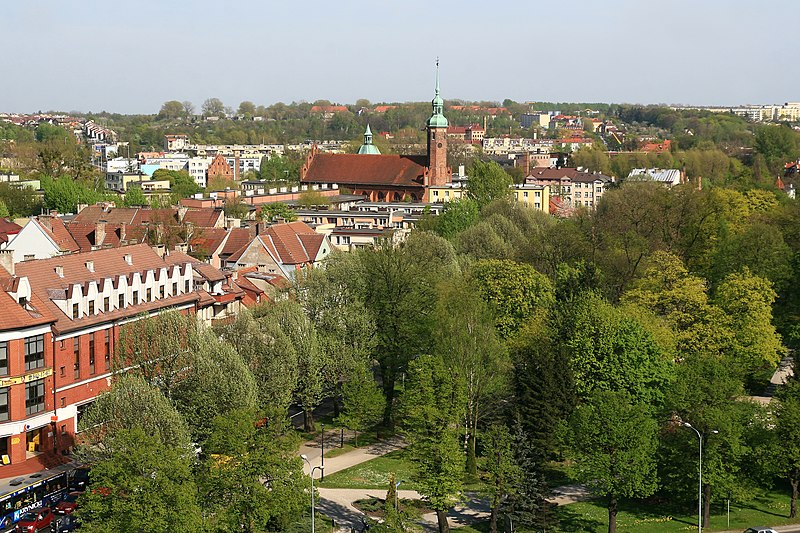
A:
135,298
149,295
91,307
34,397
76,353
4,357
107,352
63,402
106,304
34,352
174,289
186,287
121,303
76,311
91,353
29,257
161,291
4,403
62,371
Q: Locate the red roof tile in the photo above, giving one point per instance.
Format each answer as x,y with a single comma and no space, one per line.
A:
366,169
203,218
58,231
8,228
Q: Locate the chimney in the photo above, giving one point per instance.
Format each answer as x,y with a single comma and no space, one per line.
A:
123,232
182,247
161,250
236,167
59,271
99,232
7,261
90,266
45,221
128,259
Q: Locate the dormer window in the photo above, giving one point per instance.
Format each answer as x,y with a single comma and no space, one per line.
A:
91,307
76,311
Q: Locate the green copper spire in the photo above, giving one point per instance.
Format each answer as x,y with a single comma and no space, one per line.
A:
437,119
368,147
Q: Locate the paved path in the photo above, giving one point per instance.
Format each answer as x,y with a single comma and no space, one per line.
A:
313,450
569,494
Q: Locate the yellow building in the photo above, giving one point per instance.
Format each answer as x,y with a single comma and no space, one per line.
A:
446,192
533,196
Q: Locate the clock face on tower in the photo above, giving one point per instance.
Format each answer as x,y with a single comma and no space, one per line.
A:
439,145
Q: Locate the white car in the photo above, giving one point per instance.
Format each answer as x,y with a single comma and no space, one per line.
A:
759,530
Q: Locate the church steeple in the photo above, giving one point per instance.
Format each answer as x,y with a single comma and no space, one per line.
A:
438,171
368,147
437,119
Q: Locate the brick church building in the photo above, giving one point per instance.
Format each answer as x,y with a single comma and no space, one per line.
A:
386,178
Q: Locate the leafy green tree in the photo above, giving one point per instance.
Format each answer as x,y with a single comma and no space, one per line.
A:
431,407
158,348
473,352
141,481
172,110
4,213
309,199
613,442
251,479
515,291
777,144
20,201
217,382
64,194
457,216
487,182
271,358
247,109
213,107
363,403
786,451
132,403
613,351
526,504
502,473
134,197
274,211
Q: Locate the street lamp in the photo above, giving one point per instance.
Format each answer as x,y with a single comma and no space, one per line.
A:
700,485
320,468
322,456
397,496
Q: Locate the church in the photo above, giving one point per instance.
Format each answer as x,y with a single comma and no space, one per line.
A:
386,178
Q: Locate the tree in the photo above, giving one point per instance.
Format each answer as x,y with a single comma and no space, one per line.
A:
363,403
431,408
216,383
457,216
786,452
274,211
172,110
526,503
64,194
502,472
213,107
134,197
188,108
309,199
515,291
141,481
132,403
487,182
246,108
4,213
613,351
470,348
158,348
251,479
613,442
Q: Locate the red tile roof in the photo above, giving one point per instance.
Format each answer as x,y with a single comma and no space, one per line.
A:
203,218
114,215
8,228
237,239
109,263
364,169
15,316
328,109
657,147
208,240
60,234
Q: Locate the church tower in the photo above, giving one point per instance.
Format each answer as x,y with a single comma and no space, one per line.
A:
368,147
438,171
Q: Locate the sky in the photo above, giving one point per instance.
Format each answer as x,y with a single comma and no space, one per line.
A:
131,57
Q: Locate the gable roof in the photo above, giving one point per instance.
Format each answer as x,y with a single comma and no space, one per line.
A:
59,233
366,169
15,316
8,228
203,217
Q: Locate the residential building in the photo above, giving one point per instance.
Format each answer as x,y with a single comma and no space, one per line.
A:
533,196
575,187
176,143
472,134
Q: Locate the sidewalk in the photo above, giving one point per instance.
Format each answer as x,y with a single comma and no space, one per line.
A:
313,450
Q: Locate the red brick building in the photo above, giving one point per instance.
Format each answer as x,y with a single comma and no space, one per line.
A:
60,321
387,178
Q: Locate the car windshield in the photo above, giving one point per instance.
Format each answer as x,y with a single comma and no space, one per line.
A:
29,517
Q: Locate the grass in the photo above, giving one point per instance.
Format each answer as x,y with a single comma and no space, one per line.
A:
766,508
374,474
364,439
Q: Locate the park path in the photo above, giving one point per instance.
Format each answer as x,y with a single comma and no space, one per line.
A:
313,450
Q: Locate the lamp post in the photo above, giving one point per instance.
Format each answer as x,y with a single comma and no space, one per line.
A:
397,496
700,483
320,468
322,456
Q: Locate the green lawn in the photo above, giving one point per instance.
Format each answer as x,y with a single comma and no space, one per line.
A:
374,474
767,508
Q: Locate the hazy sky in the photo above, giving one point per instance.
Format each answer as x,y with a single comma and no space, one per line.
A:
130,57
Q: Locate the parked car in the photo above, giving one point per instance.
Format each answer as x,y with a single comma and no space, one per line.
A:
759,530
35,521
67,524
68,504
79,479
